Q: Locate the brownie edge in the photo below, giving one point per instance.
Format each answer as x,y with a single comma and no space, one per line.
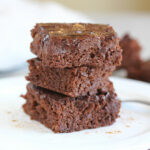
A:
64,114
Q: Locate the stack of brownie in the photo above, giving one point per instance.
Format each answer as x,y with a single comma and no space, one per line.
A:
69,89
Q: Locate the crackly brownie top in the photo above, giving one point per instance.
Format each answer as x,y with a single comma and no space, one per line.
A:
74,29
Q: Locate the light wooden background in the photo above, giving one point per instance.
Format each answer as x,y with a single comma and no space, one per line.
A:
106,5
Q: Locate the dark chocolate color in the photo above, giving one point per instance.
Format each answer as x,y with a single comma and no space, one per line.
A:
73,45
141,72
136,68
66,114
69,81
131,52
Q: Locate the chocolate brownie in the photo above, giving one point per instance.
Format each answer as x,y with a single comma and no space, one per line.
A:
136,68
131,52
65,114
141,72
69,81
77,44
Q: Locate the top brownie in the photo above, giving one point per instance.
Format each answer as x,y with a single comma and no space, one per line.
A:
76,44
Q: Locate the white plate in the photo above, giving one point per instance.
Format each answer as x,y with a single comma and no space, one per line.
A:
131,131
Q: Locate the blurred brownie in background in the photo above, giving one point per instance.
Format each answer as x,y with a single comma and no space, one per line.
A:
131,52
132,62
142,72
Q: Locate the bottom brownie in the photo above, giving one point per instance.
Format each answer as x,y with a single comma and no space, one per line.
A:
65,114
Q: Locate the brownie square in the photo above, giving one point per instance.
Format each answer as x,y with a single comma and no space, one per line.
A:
77,44
65,114
72,82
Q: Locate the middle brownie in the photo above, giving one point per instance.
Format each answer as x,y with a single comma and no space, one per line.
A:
72,82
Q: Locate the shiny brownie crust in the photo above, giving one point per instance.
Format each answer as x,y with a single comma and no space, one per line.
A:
74,45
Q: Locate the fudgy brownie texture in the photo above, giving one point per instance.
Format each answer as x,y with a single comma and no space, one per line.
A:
72,82
74,45
131,52
65,114
141,72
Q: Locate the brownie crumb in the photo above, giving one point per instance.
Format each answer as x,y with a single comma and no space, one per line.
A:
113,132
